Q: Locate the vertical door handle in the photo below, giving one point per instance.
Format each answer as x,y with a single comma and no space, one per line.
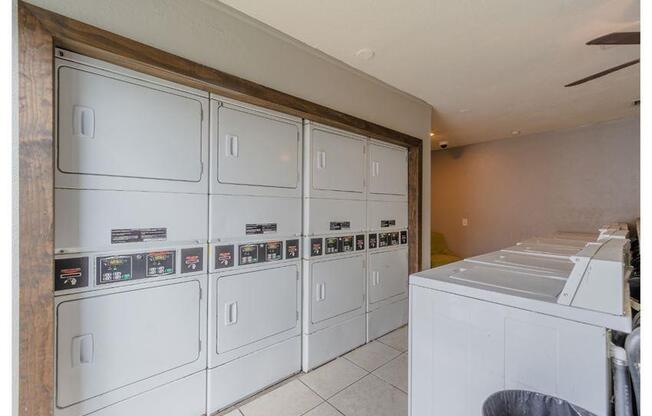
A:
375,168
373,278
232,145
83,122
320,290
230,313
82,350
321,159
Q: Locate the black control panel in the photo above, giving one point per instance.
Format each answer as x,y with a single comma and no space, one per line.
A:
292,249
260,252
316,246
344,244
359,242
71,273
124,267
192,260
373,240
388,239
224,256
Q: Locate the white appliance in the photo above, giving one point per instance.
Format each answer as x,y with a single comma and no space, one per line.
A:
387,221
477,327
334,255
130,234
254,319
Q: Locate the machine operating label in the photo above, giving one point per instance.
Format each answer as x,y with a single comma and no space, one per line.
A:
192,259
340,225
224,256
359,242
387,223
260,228
137,235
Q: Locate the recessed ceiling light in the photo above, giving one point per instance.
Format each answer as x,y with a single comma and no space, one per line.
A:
432,134
365,53
516,132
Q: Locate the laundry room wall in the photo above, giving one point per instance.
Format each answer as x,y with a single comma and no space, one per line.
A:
511,189
210,33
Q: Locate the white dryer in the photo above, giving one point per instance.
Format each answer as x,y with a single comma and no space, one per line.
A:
387,222
477,327
334,224
254,319
130,241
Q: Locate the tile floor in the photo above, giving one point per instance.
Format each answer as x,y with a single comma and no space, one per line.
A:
368,381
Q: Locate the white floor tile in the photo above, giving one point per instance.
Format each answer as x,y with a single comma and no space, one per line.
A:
397,339
372,355
290,399
332,377
324,409
371,396
234,412
395,372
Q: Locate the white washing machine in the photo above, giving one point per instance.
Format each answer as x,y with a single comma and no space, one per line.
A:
334,224
477,328
130,240
254,318
387,222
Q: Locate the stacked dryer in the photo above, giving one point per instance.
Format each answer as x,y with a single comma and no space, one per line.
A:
334,255
130,237
387,208
255,228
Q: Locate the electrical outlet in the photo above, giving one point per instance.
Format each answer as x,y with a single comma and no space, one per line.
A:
465,222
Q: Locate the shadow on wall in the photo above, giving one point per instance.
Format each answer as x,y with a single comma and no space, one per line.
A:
440,254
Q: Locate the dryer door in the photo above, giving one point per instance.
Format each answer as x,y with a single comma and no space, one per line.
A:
388,275
255,305
106,342
255,149
337,288
337,162
114,126
387,170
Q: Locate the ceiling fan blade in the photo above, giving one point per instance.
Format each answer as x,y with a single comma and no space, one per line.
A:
617,38
603,73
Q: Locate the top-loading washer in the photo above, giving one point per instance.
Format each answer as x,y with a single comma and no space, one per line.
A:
517,328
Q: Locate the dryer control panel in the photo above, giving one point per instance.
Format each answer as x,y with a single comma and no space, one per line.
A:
336,245
110,269
255,253
390,239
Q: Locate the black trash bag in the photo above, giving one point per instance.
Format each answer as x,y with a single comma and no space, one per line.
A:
529,403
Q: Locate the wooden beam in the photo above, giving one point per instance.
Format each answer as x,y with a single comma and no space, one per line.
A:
35,212
92,41
415,183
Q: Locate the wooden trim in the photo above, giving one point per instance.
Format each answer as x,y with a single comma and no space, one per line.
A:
35,212
40,31
415,186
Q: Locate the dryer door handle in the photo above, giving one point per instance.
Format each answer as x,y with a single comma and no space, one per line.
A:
232,146
83,350
320,292
231,313
321,159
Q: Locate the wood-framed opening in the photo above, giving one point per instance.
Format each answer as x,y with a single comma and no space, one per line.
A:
39,33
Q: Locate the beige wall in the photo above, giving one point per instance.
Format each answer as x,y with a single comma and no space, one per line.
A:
210,33
511,189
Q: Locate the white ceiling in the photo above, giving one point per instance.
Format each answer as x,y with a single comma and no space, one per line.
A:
488,67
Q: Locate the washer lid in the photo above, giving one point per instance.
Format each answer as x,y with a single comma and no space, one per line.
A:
548,266
542,249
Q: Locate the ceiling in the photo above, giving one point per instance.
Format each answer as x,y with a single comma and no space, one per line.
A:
488,67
